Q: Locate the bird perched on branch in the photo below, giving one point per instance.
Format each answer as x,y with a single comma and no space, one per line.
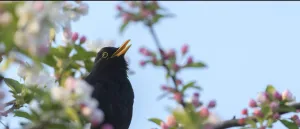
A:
112,87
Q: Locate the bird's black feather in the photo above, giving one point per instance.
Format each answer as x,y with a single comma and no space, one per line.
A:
112,88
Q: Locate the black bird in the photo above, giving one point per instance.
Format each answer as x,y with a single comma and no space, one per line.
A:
112,87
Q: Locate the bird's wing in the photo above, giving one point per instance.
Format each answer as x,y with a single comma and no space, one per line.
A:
116,109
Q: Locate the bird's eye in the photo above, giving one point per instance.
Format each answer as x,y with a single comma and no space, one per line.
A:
104,54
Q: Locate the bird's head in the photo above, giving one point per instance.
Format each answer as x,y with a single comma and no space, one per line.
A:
112,59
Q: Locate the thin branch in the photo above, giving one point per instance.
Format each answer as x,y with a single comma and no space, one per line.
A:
234,123
10,103
9,110
160,49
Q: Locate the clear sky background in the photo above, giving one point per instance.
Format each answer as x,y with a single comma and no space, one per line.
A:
246,45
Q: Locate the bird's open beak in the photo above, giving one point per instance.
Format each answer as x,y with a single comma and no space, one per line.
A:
122,49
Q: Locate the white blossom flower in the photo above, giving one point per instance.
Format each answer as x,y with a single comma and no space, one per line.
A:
5,18
35,20
60,94
287,95
97,45
97,116
34,105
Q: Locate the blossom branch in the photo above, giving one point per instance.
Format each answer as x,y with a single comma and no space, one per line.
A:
10,103
158,45
9,110
235,123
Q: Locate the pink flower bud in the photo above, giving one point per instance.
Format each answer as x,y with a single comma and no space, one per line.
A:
154,60
242,121
204,112
178,82
262,97
295,117
166,88
184,49
82,39
189,60
274,106
175,67
171,121
252,103
297,122
74,36
171,53
107,126
277,95
178,96
276,116
287,95
196,94
145,52
145,13
142,63
212,104
119,8
163,125
126,17
38,5
258,113
245,111
195,100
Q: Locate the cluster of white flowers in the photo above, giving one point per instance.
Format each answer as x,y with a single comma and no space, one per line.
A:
35,77
74,92
36,18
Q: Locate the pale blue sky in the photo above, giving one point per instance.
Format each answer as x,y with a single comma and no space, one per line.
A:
246,46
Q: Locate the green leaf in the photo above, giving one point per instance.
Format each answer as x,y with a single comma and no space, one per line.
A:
155,120
57,126
22,114
270,89
156,18
251,122
123,26
14,85
288,124
49,60
285,108
72,114
196,65
190,85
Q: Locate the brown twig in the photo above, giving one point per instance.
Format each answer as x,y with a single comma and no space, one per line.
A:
9,110
160,49
10,103
234,122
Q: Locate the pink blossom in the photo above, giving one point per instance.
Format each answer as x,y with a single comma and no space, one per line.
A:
252,103
287,95
178,96
171,121
277,95
245,111
189,60
276,116
204,112
212,104
107,126
82,39
142,63
74,36
163,125
184,49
